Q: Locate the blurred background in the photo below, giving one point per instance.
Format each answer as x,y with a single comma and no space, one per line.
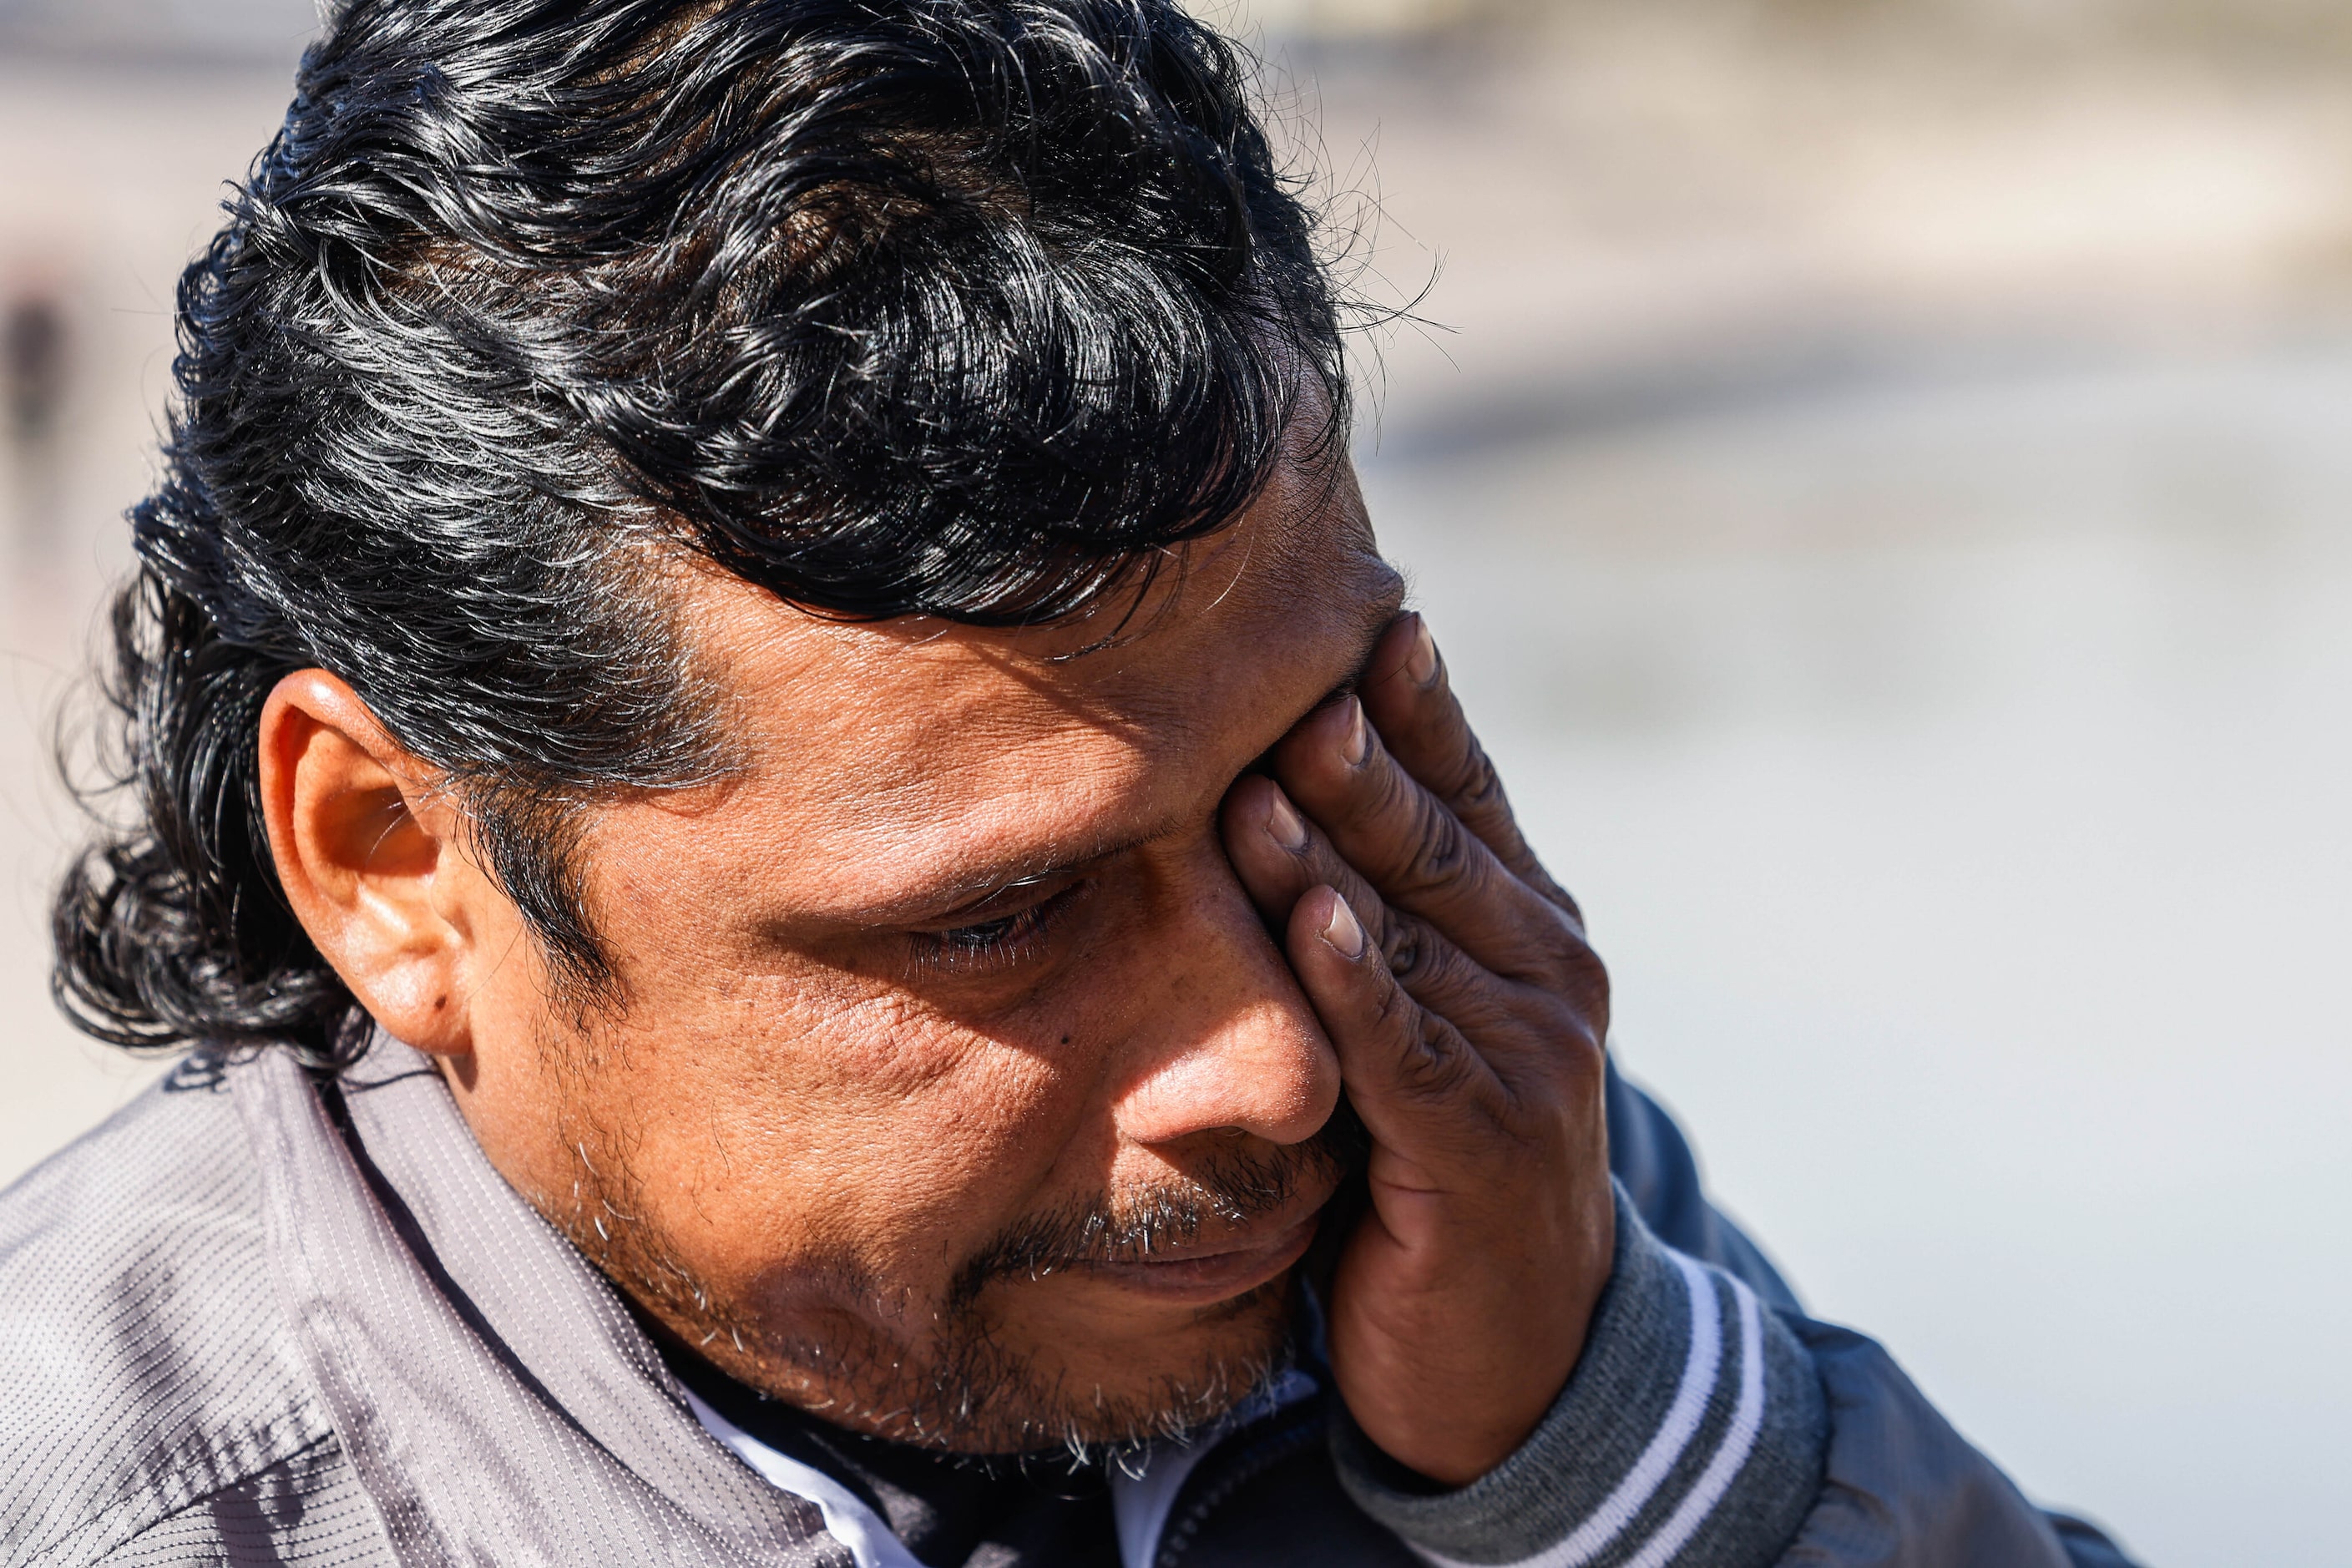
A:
1883,476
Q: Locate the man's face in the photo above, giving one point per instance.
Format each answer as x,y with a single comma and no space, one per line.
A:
958,1091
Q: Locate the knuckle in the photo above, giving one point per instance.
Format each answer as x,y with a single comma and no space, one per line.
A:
1585,979
1469,782
1559,958
1450,975
1420,959
1434,849
1479,785
1432,1064
1571,1044
1382,795
1406,950
1390,1004
1443,843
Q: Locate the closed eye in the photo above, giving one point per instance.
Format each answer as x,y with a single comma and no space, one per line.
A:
999,942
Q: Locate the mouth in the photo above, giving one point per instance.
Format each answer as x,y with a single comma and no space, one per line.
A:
1204,1276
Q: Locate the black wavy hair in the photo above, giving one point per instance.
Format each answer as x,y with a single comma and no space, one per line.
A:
967,308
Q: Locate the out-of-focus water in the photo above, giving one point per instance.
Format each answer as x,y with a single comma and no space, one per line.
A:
1949,745
1955,774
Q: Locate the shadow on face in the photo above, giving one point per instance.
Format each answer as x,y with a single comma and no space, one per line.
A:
959,1093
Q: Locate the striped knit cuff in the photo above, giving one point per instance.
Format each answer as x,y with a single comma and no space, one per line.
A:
1691,1434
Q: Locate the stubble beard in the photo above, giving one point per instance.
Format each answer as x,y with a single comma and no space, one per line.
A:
937,1372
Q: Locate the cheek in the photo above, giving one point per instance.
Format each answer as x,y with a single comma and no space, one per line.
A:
798,1115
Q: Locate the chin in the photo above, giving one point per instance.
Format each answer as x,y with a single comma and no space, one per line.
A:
1070,1381
1043,1365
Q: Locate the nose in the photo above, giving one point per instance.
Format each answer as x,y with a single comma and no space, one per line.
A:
1221,1037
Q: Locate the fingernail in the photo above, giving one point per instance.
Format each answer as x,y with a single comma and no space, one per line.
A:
1357,744
1342,931
1422,664
1283,826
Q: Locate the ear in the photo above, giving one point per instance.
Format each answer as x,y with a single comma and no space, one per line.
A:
367,844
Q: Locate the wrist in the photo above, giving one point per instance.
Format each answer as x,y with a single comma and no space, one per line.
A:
1693,1415
1447,1403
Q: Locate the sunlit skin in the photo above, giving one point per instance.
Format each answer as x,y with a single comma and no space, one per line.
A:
983,928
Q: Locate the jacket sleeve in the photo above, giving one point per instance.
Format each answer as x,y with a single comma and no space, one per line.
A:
1900,1485
1691,1433
1710,1424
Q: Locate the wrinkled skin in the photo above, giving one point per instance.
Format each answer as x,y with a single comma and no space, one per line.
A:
979,1039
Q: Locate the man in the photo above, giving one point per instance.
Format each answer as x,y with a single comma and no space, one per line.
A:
827,911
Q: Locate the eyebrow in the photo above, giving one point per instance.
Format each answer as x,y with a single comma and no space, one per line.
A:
1383,609
969,894
996,884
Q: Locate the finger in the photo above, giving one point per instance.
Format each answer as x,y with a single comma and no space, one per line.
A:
1281,858
1413,849
1408,693
1423,1092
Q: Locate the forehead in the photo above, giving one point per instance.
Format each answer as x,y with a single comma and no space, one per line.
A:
891,762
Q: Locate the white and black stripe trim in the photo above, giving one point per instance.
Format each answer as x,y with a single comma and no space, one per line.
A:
1731,1453
1703,1371
1701,1367
1692,1429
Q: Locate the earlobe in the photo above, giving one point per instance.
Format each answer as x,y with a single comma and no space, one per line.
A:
363,841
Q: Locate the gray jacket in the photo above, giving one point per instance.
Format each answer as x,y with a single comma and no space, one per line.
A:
253,1321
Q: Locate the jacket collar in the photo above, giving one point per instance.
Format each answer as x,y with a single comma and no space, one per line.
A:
496,1400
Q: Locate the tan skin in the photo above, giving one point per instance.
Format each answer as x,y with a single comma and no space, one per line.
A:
975,933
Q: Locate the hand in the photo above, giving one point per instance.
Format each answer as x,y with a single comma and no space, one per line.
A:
1468,1013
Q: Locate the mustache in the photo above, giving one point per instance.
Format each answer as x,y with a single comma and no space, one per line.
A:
1232,1187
